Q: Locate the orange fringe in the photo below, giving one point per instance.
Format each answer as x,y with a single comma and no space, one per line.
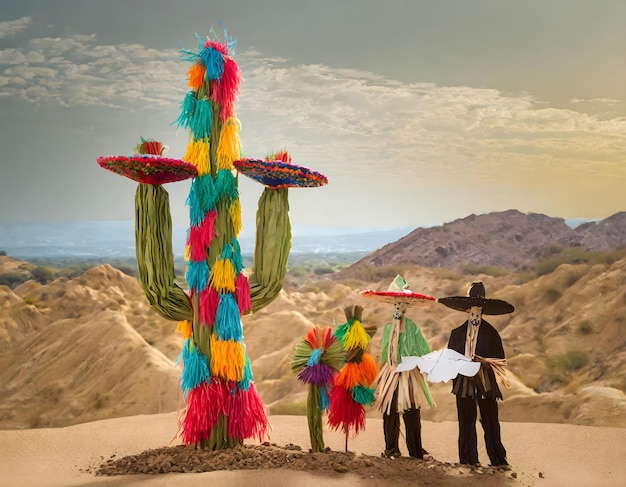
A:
196,74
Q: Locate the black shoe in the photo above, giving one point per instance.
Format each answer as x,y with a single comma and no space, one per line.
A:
391,453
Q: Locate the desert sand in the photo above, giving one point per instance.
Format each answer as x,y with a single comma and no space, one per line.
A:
540,455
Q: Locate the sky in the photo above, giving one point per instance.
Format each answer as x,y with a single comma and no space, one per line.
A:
418,112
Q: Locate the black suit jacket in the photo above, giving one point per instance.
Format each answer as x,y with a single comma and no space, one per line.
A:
488,345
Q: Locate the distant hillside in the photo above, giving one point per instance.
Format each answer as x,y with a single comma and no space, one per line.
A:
509,240
87,348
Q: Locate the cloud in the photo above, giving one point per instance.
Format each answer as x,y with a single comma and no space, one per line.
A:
9,28
359,128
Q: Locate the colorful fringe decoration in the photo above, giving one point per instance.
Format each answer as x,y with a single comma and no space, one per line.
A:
223,406
351,390
316,358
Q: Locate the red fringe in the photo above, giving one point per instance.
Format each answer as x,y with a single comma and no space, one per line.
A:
225,90
209,301
319,337
247,416
200,237
218,46
242,294
345,413
205,403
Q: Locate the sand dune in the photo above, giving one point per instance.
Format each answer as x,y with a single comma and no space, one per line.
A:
540,454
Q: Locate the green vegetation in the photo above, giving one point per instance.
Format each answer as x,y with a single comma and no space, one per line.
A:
3,252
571,361
554,255
552,295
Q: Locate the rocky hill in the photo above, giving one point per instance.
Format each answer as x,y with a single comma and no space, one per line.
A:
83,349
87,348
509,240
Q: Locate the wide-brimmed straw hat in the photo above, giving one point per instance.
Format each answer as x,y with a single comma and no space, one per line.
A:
476,297
398,293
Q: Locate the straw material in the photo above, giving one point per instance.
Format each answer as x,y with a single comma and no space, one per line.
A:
278,174
149,169
155,258
272,246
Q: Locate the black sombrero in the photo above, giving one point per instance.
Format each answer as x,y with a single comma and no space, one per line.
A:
476,297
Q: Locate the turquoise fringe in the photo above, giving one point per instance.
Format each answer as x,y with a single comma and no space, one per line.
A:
363,395
228,321
226,185
201,198
195,368
197,275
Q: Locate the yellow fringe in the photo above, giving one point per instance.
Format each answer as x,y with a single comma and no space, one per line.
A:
235,217
187,253
356,337
184,327
223,276
229,146
198,154
196,74
228,359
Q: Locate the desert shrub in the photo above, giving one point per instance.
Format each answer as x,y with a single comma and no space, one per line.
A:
576,255
489,270
12,279
552,295
3,252
43,274
321,270
585,327
31,301
571,361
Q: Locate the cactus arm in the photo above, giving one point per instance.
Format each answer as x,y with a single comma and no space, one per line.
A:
155,258
272,247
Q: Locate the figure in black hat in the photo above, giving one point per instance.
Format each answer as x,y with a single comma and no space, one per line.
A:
481,342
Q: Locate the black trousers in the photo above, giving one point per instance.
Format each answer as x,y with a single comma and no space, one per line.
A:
413,430
468,441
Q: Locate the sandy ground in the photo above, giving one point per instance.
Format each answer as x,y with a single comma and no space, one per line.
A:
540,455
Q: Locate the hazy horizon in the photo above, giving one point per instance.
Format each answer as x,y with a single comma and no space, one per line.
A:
418,112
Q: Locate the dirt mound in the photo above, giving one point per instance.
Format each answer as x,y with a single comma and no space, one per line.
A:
400,471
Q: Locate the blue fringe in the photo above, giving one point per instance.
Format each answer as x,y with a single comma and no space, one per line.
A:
201,198
247,376
202,119
197,275
315,357
363,395
227,321
187,109
195,369
192,55
214,63
324,399
236,256
226,185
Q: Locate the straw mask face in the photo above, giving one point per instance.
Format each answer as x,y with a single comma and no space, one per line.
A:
475,315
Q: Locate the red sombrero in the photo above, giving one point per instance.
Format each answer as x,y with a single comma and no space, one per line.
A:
400,297
148,165
148,169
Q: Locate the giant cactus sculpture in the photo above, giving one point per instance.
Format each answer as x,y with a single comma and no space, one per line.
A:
223,407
